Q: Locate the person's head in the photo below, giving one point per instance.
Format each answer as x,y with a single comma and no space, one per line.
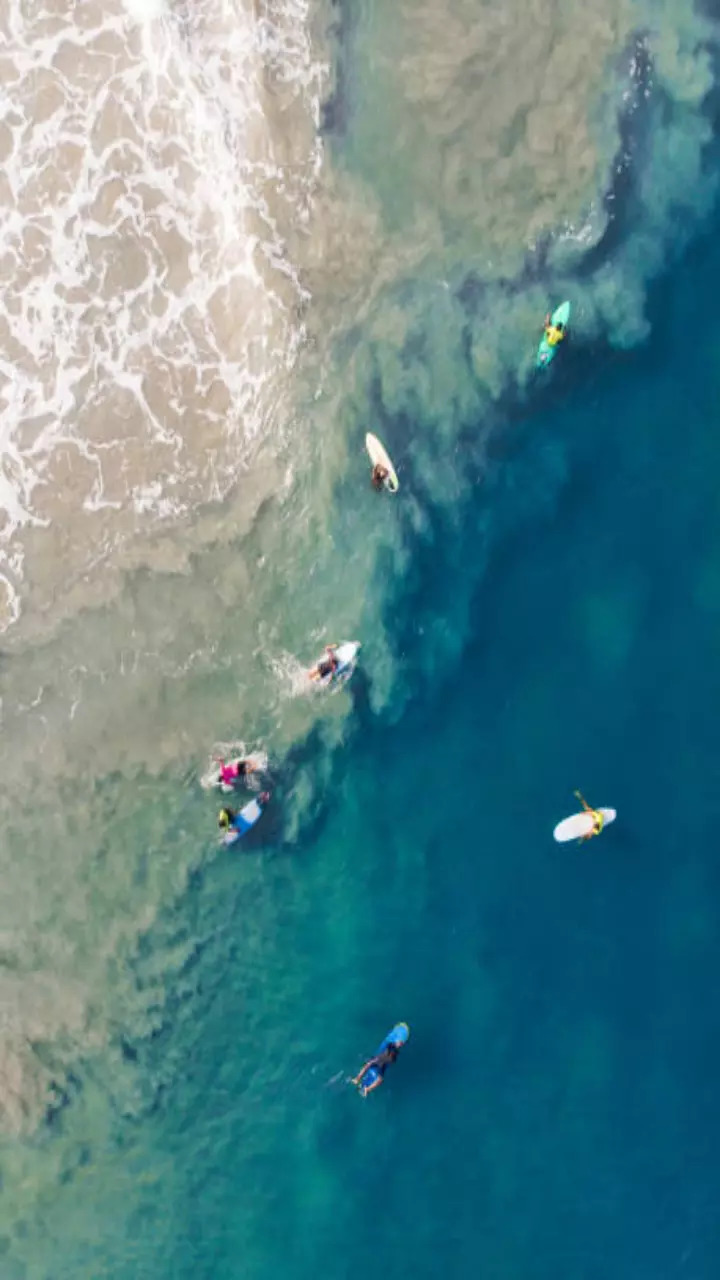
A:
264,797
225,817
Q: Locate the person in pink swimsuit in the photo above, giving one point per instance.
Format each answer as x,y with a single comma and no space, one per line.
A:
235,772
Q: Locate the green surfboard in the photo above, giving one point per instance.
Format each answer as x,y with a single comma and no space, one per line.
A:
561,315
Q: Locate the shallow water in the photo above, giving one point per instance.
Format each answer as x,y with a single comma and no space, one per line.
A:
538,612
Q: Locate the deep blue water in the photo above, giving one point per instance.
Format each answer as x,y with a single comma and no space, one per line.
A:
555,1113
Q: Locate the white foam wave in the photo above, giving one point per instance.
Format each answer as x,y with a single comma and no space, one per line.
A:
150,303
290,676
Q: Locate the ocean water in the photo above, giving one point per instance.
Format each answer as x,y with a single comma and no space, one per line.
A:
555,1109
188,519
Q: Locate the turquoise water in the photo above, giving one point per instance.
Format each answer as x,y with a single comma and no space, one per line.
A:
555,1110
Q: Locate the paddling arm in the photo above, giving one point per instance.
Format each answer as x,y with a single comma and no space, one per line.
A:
372,1086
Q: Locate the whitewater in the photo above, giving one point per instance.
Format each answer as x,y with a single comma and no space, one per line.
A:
235,235
149,295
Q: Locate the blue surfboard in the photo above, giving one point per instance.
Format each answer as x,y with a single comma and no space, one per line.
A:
546,353
243,821
397,1037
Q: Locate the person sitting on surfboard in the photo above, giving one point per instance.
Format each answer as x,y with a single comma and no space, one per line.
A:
595,814
381,1062
232,773
227,817
554,333
327,666
379,476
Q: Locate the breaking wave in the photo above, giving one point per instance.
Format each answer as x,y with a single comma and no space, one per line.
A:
150,307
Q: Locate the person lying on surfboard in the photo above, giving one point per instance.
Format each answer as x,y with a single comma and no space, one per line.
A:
379,476
554,333
235,771
327,666
381,1062
227,817
595,814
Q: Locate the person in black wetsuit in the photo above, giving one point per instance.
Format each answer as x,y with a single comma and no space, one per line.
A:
326,666
380,1062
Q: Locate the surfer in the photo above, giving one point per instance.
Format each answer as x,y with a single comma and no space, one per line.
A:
226,817
230,818
382,475
379,476
597,818
554,333
326,666
379,1063
234,772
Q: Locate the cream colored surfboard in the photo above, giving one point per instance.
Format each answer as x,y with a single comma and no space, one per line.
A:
579,825
378,454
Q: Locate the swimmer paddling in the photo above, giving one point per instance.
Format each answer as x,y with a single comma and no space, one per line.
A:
371,1075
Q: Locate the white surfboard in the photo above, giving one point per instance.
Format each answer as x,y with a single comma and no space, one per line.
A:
580,824
378,454
346,654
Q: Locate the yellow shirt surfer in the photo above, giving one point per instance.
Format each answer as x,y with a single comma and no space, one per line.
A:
554,333
595,814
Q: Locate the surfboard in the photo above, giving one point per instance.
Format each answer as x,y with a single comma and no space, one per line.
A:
580,824
244,820
379,454
546,353
398,1037
346,654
